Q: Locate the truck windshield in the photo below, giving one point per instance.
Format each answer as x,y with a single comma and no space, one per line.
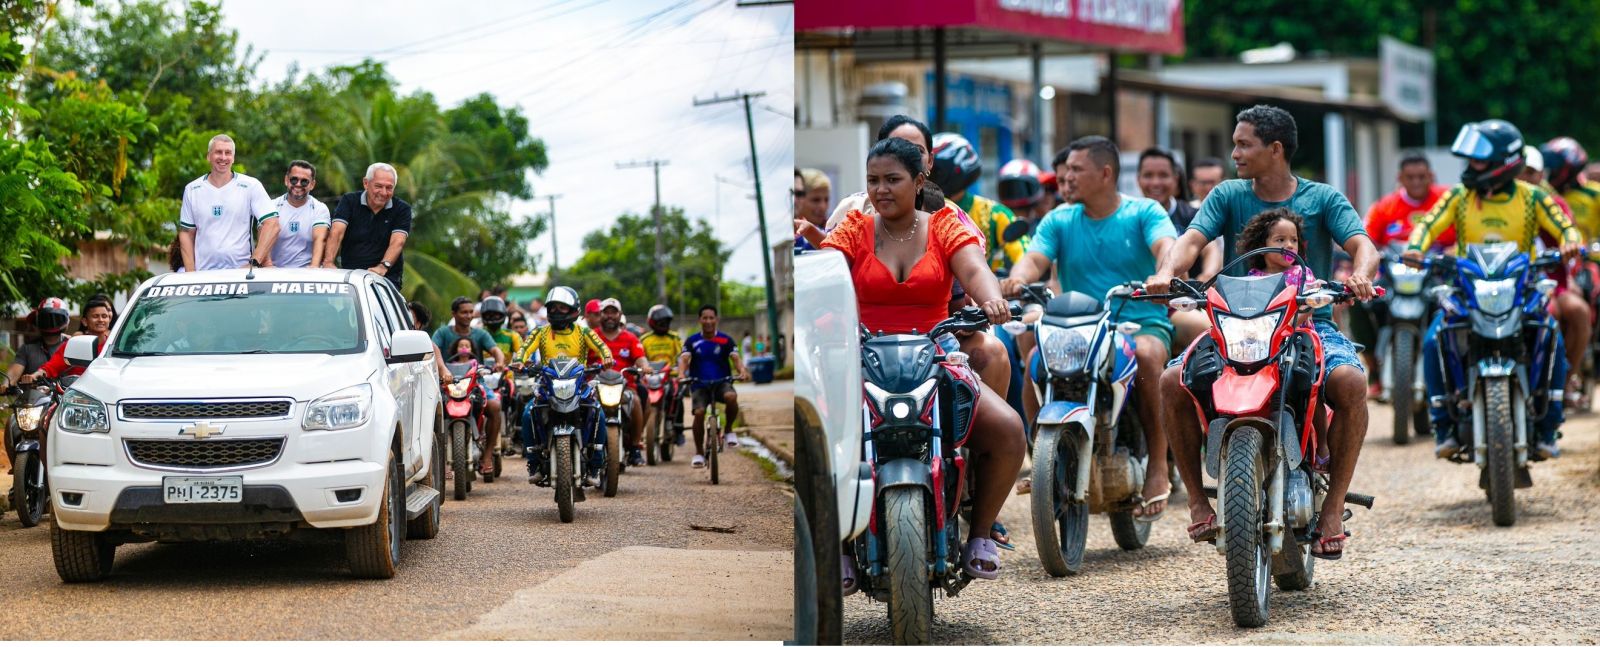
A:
236,318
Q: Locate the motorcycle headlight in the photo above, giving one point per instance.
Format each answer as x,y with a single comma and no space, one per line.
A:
458,388
1248,340
342,409
1495,297
610,395
1407,279
1066,350
28,417
81,414
902,407
653,381
564,389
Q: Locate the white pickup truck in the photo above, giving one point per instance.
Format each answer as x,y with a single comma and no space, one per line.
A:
235,404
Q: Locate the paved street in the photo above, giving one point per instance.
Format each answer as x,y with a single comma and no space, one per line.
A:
502,567
1427,565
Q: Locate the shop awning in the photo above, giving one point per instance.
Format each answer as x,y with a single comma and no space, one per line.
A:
1152,26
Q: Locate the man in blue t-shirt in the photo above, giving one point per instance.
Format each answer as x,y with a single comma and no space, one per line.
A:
1263,142
447,337
709,358
1103,240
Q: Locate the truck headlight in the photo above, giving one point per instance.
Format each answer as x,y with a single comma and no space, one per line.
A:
28,417
342,409
610,395
81,414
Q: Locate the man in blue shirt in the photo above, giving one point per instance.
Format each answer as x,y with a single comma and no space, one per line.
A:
1099,242
1263,142
708,357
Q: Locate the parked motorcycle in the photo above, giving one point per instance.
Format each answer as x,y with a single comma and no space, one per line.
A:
32,407
567,413
660,391
1089,453
1498,343
921,397
1256,380
1406,313
464,423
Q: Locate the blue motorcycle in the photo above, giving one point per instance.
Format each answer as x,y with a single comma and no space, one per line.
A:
1499,347
565,426
1089,454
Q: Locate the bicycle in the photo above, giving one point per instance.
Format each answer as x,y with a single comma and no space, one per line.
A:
716,419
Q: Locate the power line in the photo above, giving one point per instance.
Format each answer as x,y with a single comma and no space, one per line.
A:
661,274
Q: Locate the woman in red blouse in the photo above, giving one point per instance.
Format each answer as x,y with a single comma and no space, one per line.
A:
903,261
97,317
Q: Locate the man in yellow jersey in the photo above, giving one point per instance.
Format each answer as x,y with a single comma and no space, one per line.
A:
661,344
1565,162
561,338
1491,205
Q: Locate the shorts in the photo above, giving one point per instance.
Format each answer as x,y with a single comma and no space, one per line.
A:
706,395
1336,350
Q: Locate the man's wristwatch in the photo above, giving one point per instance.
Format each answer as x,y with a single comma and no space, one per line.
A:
386,265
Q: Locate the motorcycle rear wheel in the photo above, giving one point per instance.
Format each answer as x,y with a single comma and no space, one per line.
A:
458,460
613,460
1403,361
910,594
563,477
1502,459
652,435
1060,527
1248,563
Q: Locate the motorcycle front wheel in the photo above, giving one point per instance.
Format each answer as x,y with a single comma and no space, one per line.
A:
1060,527
29,495
459,454
910,595
613,460
1502,459
1403,361
562,446
1248,563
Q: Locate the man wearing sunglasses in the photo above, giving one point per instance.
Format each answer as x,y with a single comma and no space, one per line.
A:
303,222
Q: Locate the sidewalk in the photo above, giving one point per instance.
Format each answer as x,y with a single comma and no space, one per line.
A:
768,412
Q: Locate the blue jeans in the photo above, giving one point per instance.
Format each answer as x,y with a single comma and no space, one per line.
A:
1434,378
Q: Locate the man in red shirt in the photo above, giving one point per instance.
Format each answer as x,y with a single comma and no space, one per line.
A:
627,352
1390,221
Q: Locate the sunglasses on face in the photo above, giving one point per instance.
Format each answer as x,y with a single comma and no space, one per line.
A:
299,181
799,193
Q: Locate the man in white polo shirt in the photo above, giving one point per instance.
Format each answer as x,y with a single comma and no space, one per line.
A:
218,211
302,221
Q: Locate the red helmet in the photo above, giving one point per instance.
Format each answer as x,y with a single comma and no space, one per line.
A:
1019,184
1564,158
51,316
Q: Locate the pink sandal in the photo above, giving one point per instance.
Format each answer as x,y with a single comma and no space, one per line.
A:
976,557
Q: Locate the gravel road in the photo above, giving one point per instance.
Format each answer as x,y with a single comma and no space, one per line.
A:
504,540
1426,566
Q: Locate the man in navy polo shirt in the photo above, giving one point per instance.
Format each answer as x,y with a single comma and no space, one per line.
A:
370,227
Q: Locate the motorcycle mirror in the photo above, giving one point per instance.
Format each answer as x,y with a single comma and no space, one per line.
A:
1016,230
1183,304
1545,286
1128,328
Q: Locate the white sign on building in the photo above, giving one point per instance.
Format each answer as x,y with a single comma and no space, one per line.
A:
1405,78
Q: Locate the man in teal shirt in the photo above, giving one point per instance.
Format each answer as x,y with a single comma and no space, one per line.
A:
1103,240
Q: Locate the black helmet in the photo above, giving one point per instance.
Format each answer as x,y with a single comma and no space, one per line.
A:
493,312
660,318
52,316
1495,141
561,295
955,163
1564,158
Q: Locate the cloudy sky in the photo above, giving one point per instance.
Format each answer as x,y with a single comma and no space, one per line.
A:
601,81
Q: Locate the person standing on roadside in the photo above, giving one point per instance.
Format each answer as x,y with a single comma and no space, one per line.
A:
302,221
370,227
219,210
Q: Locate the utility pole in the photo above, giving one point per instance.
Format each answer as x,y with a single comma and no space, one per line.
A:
661,274
761,209
555,255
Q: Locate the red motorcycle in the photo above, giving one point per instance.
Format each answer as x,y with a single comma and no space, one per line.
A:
465,421
1254,377
660,393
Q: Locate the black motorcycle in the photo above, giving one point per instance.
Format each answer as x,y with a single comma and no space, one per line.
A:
31,408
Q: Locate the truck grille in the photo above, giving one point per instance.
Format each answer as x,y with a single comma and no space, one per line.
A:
204,454
205,410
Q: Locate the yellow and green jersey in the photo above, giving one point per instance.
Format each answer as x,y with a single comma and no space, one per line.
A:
577,341
1515,216
992,218
662,348
509,342
1585,202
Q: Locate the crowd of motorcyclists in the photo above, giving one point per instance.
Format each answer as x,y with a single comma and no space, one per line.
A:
926,252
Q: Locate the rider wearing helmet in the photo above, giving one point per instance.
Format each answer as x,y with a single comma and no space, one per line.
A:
50,319
956,168
492,310
661,344
1021,191
561,338
1491,205
1564,160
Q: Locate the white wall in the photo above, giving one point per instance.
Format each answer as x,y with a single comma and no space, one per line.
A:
841,152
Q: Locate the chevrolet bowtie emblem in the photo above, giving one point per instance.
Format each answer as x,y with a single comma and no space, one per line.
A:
202,430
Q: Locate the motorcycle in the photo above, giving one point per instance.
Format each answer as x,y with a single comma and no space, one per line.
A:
1256,381
1498,345
1406,313
614,398
464,421
660,391
921,397
1089,454
31,409
579,448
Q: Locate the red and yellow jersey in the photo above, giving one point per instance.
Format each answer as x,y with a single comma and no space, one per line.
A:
576,341
1516,216
1584,199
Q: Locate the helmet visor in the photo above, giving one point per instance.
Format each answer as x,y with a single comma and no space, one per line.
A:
1471,144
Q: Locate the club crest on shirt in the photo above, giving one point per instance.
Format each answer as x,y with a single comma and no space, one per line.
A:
216,211
294,227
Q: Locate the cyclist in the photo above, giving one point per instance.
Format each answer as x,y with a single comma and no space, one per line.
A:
561,338
1490,204
956,168
661,344
707,357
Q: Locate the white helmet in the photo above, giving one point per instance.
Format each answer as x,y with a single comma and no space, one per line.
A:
561,295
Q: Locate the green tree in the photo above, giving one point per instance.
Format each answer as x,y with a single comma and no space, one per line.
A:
619,262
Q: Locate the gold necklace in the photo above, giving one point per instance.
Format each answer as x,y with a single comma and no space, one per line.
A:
913,233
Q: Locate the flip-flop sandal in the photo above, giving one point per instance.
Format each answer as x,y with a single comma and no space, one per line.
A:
1000,529
1320,464
1025,486
1145,503
1205,531
1318,542
974,556
847,576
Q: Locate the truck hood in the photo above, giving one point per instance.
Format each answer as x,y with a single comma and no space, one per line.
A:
202,377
